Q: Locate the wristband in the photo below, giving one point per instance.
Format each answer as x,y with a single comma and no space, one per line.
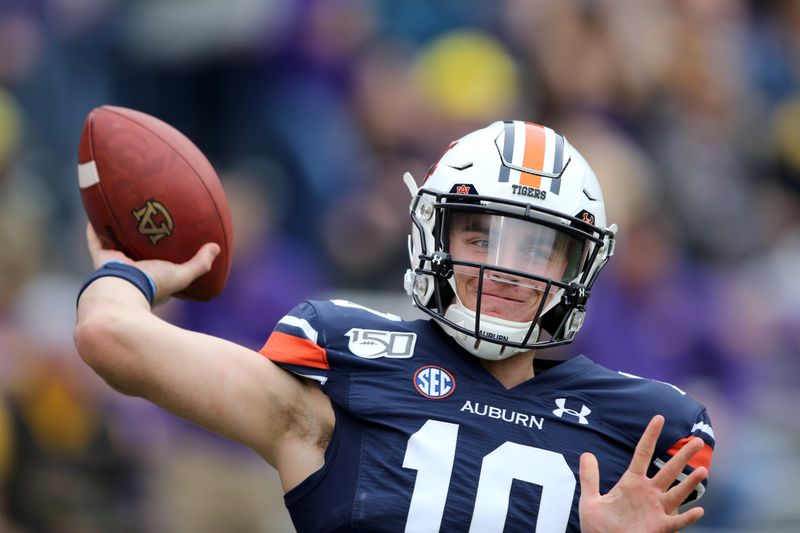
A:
130,273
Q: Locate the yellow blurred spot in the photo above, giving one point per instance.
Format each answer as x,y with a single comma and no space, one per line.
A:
10,123
468,75
59,421
6,441
787,132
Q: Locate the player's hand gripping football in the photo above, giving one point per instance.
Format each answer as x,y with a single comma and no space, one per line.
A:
169,277
638,503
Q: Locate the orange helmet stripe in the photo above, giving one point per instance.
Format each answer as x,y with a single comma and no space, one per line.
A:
533,157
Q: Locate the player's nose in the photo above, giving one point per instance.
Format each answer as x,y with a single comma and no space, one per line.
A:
512,258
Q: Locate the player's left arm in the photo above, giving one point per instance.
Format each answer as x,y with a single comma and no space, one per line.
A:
638,502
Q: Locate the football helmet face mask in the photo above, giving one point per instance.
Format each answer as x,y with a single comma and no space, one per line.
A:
508,236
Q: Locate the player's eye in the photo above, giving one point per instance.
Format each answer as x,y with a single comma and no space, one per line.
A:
477,240
536,252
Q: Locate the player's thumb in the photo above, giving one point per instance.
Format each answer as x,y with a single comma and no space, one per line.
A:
202,261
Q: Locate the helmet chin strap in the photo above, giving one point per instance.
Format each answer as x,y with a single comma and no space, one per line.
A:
501,329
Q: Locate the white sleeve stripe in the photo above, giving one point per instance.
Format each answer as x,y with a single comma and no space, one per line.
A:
705,428
346,303
699,490
310,333
634,376
321,379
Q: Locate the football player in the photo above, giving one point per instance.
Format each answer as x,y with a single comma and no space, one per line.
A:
458,422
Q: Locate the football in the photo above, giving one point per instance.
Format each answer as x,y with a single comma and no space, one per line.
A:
151,193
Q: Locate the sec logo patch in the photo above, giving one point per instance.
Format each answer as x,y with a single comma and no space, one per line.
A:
434,382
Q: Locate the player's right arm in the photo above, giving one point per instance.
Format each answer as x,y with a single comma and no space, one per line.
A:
209,381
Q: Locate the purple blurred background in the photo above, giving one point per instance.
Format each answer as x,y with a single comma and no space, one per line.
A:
688,110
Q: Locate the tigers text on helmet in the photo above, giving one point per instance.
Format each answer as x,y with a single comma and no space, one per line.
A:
508,235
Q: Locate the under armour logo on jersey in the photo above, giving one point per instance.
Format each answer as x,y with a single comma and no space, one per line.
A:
562,402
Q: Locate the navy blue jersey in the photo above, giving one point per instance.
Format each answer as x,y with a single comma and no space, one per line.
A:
427,440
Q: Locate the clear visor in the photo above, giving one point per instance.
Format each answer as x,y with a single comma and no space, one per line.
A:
515,244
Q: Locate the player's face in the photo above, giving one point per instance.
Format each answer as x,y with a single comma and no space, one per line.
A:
514,244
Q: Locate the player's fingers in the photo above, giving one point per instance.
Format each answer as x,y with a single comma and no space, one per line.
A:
672,469
589,475
686,519
100,254
646,446
678,494
96,250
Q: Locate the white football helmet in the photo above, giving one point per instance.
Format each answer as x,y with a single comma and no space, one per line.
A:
508,236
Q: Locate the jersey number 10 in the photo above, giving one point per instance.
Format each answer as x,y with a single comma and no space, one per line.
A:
431,452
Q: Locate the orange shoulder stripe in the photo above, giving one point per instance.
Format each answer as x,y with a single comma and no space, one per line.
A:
701,458
283,348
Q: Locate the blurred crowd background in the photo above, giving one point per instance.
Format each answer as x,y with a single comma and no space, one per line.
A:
311,110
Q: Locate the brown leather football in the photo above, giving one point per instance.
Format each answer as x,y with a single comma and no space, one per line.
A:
151,193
